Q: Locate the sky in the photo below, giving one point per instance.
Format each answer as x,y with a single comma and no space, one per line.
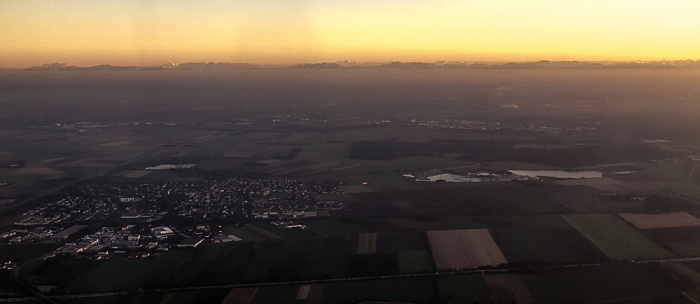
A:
154,32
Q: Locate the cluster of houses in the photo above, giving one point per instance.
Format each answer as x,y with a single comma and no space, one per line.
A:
148,218
463,124
67,210
235,199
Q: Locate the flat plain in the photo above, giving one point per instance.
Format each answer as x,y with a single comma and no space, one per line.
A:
375,135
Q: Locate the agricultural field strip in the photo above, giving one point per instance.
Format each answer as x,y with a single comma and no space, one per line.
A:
263,232
396,276
240,296
665,220
367,243
464,249
508,288
303,293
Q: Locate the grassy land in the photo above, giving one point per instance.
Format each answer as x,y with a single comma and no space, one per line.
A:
334,245
526,221
127,274
462,289
334,227
326,267
616,238
395,290
356,189
217,264
416,261
178,297
267,251
277,294
245,233
684,241
588,285
695,294
528,245
286,233
105,300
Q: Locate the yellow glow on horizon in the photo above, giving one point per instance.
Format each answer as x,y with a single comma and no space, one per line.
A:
85,32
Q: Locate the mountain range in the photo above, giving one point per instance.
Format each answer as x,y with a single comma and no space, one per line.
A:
543,64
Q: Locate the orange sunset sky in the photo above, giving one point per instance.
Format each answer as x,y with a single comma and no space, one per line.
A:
131,32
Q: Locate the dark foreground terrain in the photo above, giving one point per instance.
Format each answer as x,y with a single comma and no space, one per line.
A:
344,186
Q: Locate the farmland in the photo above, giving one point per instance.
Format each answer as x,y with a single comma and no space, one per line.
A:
415,261
386,234
125,274
508,288
667,220
593,284
463,289
395,290
464,249
367,243
684,241
521,245
617,239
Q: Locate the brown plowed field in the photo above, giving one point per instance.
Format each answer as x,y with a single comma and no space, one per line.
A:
464,249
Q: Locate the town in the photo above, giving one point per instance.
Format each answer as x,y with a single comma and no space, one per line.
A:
99,220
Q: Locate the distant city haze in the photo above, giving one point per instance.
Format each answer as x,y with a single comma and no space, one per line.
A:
132,32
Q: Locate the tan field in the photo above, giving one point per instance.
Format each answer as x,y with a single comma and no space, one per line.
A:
666,220
303,293
240,296
508,288
464,249
367,243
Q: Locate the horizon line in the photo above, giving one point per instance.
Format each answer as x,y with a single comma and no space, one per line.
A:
434,62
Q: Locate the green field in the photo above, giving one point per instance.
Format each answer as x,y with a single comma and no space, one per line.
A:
128,274
267,251
695,294
286,233
462,289
587,285
105,300
616,238
334,227
334,245
277,294
550,246
217,264
526,221
325,267
412,290
245,233
356,189
416,261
